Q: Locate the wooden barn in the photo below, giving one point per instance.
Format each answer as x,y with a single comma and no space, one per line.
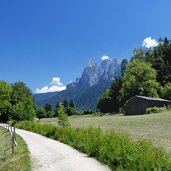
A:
138,104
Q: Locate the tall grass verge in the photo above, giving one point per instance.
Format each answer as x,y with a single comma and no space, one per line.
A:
116,150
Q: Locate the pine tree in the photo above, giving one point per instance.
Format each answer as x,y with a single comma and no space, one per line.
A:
72,104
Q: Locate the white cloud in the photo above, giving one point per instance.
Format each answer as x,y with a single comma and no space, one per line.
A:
149,42
55,85
42,90
104,57
56,81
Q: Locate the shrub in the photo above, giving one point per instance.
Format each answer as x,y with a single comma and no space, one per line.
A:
116,150
50,114
71,111
40,113
156,110
88,112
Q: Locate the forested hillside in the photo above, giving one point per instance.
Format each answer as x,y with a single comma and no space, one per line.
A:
83,98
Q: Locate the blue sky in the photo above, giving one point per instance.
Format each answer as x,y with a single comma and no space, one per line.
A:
41,39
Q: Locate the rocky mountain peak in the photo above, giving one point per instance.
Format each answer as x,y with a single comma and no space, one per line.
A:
91,63
105,64
93,73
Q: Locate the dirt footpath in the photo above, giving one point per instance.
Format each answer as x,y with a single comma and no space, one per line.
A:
50,155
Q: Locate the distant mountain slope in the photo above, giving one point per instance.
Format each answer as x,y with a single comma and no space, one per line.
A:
86,90
84,98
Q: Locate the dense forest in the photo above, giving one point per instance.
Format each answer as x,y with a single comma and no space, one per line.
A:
148,73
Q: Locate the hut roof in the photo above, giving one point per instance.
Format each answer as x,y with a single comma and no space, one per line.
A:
150,98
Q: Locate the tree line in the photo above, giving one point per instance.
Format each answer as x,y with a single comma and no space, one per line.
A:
47,111
148,74
17,103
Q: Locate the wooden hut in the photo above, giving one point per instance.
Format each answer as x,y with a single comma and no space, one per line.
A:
138,104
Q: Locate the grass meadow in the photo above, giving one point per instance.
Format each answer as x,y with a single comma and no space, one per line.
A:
154,127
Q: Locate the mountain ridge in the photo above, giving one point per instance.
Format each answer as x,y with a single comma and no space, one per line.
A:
86,90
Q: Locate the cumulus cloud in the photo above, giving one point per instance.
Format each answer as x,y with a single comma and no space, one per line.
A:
56,81
42,90
149,42
104,57
54,85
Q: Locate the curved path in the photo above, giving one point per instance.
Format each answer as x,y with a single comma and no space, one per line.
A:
51,155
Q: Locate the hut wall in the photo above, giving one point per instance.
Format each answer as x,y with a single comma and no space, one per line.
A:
136,106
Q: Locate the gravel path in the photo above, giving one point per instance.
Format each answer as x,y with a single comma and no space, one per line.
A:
51,155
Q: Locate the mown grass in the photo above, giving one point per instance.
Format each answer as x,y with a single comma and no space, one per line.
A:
20,160
114,149
154,127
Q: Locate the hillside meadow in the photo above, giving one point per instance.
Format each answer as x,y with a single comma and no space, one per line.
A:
154,127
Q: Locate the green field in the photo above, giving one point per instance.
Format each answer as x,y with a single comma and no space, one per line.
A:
155,127
20,160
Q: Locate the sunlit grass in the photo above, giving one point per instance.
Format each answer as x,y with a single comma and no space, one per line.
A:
155,127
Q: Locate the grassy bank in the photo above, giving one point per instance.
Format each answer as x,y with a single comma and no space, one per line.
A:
20,160
116,150
155,127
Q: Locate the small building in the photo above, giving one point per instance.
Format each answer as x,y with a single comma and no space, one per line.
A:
138,104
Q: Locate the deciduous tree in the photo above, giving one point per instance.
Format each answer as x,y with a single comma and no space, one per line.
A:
40,113
5,100
104,103
23,107
48,107
140,79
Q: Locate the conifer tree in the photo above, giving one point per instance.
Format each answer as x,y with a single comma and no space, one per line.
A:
62,116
